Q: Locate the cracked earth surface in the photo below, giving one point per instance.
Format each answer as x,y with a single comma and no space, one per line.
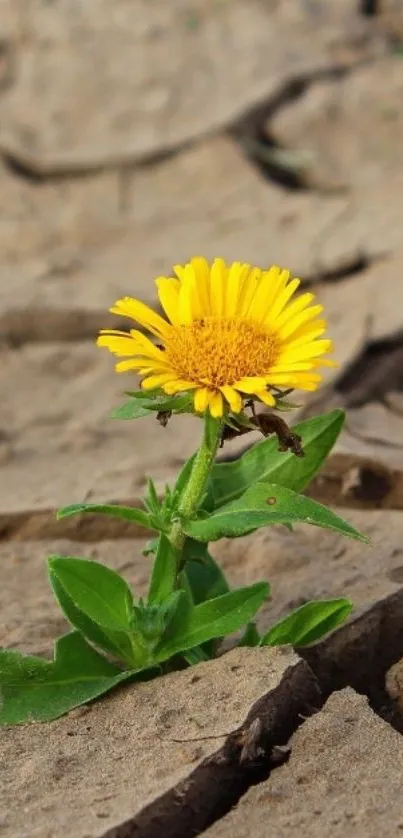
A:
256,130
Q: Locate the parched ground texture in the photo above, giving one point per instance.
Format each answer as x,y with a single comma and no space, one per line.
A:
132,138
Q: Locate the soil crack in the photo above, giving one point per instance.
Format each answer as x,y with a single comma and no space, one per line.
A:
246,758
345,481
280,165
358,655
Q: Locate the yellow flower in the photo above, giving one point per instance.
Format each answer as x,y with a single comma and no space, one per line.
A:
231,332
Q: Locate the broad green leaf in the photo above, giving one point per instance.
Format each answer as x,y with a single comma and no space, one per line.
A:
142,404
116,643
193,626
100,593
33,689
308,623
165,567
265,504
263,462
128,513
205,578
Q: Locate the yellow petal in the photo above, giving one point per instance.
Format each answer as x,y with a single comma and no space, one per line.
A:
284,366
177,385
292,309
325,362
144,346
194,289
308,376
250,384
130,364
201,270
197,296
157,380
309,384
311,350
216,405
179,270
266,397
117,344
294,379
294,323
307,333
272,283
168,294
219,273
148,370
117,332
233,398
134,309
186,296
236,277
142,351
280,302
280,378
201,399
248,291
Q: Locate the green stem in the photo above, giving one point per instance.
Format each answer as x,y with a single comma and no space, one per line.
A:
195,488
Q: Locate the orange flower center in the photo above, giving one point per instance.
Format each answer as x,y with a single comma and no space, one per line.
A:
216,351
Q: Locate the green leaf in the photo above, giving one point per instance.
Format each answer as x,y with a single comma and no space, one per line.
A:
237,420
150,622
196,655
182,480
143,403
264,462
151,547
100,593
33,689
284,405
205,578
163,576
251,636
116,643
193,626
130,410
212,431
128,513
145,395
152,502
308,623
265,504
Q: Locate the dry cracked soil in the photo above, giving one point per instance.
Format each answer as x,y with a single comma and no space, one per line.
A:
132,138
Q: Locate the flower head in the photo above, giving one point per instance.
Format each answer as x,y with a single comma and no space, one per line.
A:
232,332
